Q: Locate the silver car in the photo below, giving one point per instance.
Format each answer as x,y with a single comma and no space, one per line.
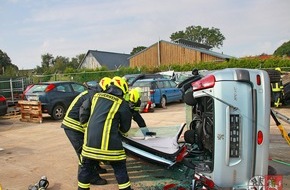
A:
228,113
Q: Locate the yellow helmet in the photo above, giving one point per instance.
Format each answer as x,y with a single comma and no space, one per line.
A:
134,95
120,83
105,83
278,69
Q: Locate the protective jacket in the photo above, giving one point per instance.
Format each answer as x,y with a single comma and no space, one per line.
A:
71,119
135,108
277,87
108,115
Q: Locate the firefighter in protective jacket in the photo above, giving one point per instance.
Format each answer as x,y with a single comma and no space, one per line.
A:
108,115
74,130
277,91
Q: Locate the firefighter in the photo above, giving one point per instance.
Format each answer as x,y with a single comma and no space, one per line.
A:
277,90
134,100
108,116
75,130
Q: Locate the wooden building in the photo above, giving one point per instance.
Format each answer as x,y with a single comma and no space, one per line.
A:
178,52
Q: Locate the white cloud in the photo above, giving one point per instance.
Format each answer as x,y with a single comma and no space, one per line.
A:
70,27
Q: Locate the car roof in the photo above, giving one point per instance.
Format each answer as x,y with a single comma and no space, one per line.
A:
56,82
152,79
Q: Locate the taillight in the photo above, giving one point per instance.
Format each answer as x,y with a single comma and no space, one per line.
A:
206,82
27,88
152,91
260,137
50,87
2,99
258,80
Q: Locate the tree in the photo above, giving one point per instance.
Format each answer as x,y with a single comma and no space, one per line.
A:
47,60
60,64
284,49
177,35
207,36
137,49
76,61
5,63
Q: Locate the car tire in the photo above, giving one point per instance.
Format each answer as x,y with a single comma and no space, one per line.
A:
58,112
163,102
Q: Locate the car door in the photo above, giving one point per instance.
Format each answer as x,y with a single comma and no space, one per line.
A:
168,91
62,93
176,92
156,88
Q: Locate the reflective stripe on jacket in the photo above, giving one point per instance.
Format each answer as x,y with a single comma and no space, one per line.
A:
71,119
277,87
109,116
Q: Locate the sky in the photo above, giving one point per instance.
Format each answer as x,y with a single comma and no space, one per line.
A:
31,28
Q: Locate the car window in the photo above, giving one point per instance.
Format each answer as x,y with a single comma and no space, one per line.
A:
63,88
160,84
153,85
37,88
167,84
172,84
78,87
142,84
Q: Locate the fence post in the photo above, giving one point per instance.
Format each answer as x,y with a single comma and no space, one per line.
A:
11,90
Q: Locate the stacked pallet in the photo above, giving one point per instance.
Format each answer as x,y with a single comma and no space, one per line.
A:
30,111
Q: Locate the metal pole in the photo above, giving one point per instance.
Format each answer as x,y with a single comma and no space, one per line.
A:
158,51
11,90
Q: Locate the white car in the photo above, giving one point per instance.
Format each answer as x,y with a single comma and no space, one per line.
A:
228,117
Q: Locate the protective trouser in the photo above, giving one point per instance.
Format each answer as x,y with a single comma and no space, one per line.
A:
121,174
86,173
77,139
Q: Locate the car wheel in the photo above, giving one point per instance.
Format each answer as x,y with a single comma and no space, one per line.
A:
58,112
163,102
275,76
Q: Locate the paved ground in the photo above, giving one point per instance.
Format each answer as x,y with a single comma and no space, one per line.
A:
32,150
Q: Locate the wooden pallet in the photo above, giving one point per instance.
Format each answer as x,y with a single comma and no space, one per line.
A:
13,111
30,111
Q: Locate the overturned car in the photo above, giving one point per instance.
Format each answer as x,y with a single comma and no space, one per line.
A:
227,130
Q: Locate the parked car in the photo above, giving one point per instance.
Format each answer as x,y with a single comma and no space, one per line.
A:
228,116
162,91
132,78
55,97
3,105
91,83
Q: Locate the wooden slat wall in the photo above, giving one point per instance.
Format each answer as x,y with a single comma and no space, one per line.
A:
169,54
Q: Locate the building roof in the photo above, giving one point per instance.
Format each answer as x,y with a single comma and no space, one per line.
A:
110,59
194,46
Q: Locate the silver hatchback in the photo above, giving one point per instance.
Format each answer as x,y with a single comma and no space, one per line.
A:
229,115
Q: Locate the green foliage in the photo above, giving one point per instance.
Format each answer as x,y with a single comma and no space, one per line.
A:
283,50
137,49
5,64
177,35
207,36
47,60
